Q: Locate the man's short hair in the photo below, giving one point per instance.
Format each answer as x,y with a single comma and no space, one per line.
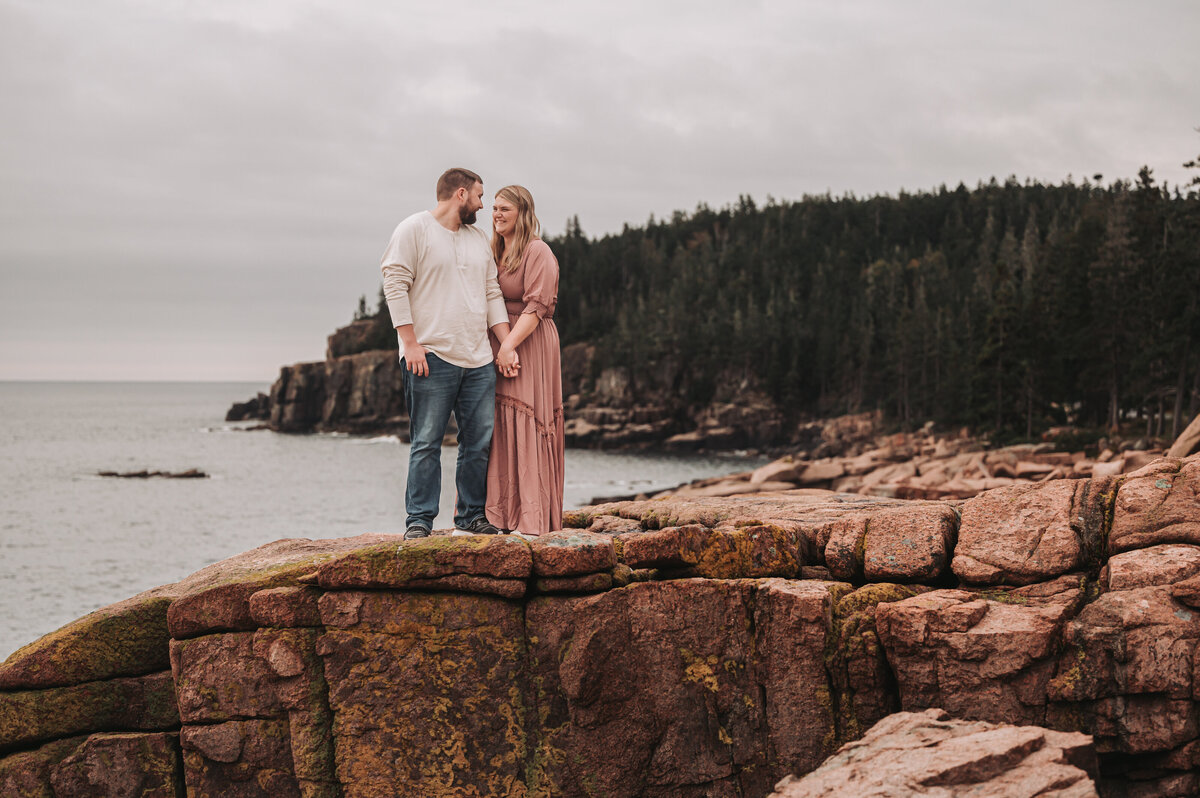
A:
454,179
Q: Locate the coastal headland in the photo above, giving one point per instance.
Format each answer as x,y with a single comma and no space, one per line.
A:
671,646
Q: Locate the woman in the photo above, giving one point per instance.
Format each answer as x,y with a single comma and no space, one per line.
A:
525,472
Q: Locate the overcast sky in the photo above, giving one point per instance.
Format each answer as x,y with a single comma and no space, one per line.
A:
202,190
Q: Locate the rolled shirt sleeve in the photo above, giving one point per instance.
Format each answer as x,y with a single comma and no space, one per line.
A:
541,280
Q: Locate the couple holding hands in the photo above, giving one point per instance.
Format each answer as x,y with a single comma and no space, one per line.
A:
477,339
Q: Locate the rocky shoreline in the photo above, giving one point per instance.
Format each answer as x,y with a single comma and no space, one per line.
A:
705,645
361,392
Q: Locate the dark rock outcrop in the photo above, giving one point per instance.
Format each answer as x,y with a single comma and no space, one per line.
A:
257,408
704,646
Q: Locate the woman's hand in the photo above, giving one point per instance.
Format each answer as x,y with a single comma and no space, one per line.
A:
507,361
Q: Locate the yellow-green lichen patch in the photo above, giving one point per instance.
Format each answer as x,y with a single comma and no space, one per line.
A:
128,704
1071,682
576,519
851,650
126,639
700,670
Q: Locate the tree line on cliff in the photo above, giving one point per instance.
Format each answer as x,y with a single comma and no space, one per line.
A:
1011,307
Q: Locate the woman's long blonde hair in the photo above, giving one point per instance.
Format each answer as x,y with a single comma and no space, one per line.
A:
525,230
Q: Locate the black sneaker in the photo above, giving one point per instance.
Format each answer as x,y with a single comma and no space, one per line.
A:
480,526
416,531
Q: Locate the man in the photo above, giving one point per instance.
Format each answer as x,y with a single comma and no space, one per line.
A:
439,280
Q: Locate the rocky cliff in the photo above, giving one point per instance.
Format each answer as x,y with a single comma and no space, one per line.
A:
360,391
705,646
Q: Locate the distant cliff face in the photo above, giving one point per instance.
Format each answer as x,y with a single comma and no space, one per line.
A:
680,647
359,391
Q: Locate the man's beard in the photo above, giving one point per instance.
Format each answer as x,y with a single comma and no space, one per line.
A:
467,217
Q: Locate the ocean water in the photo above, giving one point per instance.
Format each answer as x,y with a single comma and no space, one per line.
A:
73,541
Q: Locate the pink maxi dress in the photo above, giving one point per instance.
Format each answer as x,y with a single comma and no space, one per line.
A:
525,471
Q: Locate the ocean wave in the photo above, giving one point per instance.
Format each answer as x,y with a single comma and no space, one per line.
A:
377,439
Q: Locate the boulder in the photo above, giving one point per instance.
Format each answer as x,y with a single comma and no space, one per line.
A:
414,563
655,690
928,753
1126,672
1026,533
239,759
1164,564
128,638
612,525
27,774
1157,504
120,766
1188,440
142,703
785,470
904,544
739,553
978,658
439,680
571,554
217,598
817,472
286,607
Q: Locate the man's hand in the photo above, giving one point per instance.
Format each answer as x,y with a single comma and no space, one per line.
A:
414,353
507,362
416,361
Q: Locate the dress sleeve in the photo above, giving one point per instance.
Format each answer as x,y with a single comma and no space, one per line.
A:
541,280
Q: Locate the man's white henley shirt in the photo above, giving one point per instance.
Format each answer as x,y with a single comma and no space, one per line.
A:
443,283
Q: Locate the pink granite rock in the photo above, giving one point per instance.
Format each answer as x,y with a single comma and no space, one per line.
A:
863,685
652,690
1164,564
612,525
793,621
975,657
137,703
217,598
120,766
738,553
26,774
1129,642
786,470
571,553
1023,534
1126,674
903,544
246,674
128,638
1188,440
927,754
427,691
586,583
1157,504
910,544
239,759
398,564
286,607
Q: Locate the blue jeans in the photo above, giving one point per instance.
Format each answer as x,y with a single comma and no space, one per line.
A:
471,395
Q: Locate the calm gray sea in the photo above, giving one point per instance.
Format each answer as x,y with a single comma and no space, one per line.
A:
73,541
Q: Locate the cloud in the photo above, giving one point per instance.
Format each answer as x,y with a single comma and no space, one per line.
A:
255,157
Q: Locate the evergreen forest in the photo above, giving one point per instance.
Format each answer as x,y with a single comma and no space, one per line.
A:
1012,307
